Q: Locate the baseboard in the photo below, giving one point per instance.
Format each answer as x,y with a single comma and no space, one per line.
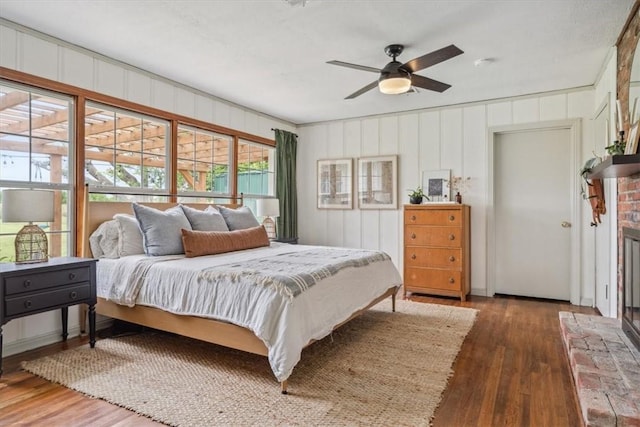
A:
33,342
479,292
586,302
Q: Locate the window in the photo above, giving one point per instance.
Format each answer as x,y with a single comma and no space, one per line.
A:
256,169
125,150
35,149
204,160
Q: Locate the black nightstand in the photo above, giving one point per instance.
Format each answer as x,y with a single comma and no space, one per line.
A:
28,289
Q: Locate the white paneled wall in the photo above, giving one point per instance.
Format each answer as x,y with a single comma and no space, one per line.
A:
453,138
34,53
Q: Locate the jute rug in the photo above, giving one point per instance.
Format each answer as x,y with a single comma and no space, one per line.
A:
382,368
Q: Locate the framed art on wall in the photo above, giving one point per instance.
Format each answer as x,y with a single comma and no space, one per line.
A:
435,185
335,184
378,182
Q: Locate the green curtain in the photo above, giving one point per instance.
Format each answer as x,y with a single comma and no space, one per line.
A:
286,192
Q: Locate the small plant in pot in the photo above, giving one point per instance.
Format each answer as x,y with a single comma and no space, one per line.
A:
416,196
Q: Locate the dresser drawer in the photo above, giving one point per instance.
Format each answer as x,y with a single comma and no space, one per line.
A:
47,299
418,256
433,279
417,235
45,279
447,217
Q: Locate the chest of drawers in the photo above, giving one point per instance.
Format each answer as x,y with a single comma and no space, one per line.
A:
437,249
28,289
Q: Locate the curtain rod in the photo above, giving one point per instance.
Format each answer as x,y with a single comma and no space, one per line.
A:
274,129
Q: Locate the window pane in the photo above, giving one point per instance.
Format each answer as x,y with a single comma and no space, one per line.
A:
256,169
14,157
125,149
203,161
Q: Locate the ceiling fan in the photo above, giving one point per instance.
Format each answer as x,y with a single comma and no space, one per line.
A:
398,78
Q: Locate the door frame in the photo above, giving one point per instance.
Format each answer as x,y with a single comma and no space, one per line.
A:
574,126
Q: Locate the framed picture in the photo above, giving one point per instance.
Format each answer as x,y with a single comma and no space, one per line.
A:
435,185
378,182
335,184
632,142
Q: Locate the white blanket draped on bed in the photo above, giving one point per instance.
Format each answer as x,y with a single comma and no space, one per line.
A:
189,286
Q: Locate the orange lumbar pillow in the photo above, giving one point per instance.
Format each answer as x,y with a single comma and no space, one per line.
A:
199,243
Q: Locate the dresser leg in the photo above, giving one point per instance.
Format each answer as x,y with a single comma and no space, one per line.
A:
65,321
92,325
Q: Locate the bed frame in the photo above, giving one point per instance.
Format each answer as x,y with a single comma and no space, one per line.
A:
209,330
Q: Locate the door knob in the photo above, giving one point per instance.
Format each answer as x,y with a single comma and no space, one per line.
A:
565,224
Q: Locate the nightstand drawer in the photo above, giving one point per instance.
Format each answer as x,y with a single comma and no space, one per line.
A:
50,279
47,299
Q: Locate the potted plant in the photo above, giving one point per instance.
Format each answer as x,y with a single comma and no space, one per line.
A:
416,196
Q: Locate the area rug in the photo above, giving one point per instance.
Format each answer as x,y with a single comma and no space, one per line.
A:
381,368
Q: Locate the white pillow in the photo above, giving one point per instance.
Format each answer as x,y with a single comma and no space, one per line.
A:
162,231
129,236
239,219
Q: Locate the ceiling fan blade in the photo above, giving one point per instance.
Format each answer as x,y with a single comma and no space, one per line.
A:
433,58
363,90
427,83
356,66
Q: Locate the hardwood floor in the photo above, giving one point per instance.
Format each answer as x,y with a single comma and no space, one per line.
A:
511,371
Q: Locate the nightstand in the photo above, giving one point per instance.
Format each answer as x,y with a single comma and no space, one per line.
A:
27,289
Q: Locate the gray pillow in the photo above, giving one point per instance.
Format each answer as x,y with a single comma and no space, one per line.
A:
239,219
162,231
130,240
209,219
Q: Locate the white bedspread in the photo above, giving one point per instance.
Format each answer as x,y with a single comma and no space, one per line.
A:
285,325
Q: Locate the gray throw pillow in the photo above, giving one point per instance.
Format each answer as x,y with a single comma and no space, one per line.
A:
239,219
162,231
209,219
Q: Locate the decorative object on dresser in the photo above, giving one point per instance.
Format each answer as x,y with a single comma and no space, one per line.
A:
437,249
29,206
416,196
57,283
269,209
436,185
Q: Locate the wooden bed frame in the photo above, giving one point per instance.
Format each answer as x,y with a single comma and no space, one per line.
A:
209,330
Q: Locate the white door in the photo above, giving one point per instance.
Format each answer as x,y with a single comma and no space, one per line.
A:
532,202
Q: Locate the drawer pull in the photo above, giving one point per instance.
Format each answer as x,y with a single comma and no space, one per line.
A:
452,237
72,276
73,295
451,217
452,280
413,218
413,256
27,283
452,258
27,304
413,235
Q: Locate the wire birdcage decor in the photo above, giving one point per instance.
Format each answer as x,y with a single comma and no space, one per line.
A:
31,245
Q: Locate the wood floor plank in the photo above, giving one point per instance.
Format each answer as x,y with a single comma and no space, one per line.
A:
511,371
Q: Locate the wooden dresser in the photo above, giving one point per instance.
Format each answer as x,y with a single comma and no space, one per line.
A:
437,249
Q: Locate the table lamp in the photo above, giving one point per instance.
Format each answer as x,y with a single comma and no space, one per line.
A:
268,208
29,206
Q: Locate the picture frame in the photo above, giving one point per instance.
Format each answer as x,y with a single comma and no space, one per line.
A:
632,141
335,184
435,184
377,184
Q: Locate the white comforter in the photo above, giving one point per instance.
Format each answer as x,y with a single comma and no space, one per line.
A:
285,325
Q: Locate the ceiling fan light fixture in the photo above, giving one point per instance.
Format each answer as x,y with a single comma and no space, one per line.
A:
394,83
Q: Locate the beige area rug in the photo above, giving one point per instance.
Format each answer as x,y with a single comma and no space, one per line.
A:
381,368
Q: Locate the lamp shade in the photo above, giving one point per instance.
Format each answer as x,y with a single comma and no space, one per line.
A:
27,206
268,207
394,84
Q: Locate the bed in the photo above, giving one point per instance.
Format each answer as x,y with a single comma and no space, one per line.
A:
241,299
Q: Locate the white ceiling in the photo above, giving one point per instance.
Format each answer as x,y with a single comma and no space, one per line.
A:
270,56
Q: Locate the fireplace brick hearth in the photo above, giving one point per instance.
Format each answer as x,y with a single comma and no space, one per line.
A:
605,367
